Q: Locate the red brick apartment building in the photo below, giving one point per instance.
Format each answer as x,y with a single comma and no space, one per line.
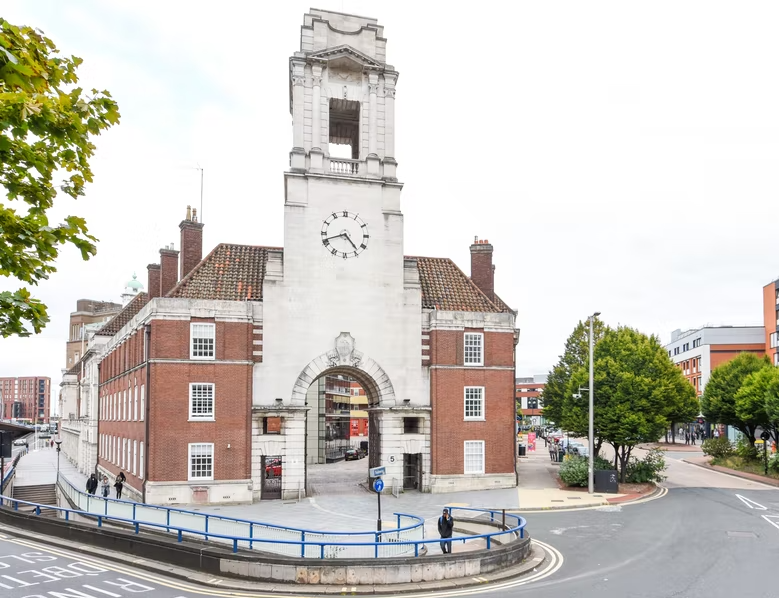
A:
771,320
528,397
26,397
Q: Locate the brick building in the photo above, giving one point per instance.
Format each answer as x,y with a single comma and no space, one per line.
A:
206,379
698,352
27,398
529,400
771,320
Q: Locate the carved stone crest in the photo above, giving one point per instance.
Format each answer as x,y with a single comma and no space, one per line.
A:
344,352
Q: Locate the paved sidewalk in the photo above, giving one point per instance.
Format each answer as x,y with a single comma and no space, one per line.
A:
704,462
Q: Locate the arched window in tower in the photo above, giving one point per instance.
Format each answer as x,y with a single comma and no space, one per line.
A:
344,128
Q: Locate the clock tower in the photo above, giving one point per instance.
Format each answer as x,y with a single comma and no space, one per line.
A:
342,273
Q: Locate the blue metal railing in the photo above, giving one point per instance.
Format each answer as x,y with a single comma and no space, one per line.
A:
291,541
300,546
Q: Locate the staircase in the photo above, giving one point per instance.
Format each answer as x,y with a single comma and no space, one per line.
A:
43,494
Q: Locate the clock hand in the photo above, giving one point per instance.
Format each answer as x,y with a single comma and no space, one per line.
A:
335,236
348,238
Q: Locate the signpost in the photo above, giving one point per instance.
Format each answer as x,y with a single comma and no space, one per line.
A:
378,486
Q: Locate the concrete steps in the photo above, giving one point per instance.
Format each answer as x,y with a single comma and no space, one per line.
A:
43,494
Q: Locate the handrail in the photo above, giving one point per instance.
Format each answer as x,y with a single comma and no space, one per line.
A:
419,520
217,526
235,540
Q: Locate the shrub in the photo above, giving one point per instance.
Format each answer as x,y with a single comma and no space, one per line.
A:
773,463
649,469
601,463
745,450
573,471
719,448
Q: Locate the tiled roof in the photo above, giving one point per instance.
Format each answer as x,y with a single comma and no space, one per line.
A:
228,273
502,305
130,310
76,369
236,272
446,287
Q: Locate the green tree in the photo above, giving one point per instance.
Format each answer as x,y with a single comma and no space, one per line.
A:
46,123
636,389
719,399
683,404
772,402
576,355
751,398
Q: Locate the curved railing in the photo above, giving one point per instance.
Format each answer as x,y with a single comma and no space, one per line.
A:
301,547
288,541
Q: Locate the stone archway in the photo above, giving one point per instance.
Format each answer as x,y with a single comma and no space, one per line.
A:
345,359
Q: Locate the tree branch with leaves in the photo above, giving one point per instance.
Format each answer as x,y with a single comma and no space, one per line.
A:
46,126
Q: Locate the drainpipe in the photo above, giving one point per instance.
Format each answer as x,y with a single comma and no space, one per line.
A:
514,408
97,459
147,452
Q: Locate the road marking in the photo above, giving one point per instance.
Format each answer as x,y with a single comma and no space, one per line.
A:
769,519
751,503
555,562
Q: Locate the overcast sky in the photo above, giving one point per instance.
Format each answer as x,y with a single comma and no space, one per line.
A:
620,156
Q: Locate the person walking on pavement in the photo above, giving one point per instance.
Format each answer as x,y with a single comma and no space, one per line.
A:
92,484
104,487
445,527
119,484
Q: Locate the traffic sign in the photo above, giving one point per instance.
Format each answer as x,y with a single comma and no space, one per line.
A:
378,484
376,472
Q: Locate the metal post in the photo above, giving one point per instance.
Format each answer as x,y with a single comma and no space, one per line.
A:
765,455
378,521
591,428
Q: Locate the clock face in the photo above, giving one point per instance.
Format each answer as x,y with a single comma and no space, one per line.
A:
344,234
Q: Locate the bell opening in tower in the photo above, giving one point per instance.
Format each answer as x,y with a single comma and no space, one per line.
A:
344,129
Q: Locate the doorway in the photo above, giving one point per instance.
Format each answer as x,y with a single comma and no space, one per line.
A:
412,471
271,480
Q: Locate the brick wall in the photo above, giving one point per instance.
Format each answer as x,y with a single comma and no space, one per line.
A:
449,431
482,271
169,270
191,246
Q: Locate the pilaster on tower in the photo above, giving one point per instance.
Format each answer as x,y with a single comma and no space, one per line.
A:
342,99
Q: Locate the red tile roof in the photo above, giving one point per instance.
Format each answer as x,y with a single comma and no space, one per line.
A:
130,310
235,273
228,273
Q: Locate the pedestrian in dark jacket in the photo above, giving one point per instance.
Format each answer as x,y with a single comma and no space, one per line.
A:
119,484
92,484
445,527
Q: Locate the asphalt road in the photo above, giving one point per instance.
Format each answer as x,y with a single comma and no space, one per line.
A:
712,535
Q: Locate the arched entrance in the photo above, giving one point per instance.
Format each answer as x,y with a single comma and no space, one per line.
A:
345,394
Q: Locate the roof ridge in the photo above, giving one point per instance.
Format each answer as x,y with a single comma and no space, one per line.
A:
131,305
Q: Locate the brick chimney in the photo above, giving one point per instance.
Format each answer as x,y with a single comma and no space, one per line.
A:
482,270
153,285
191,242
169,269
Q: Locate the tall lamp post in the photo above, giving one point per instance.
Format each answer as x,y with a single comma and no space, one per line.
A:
58,442
591,430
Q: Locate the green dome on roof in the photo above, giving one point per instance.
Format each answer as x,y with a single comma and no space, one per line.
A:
134,284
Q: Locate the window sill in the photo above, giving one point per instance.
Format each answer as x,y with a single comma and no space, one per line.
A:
473,473
212,358
474,419
201,419
198,480
473,365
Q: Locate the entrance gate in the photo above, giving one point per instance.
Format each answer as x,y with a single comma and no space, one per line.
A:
271,480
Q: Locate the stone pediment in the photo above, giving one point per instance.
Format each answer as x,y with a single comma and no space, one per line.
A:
346,53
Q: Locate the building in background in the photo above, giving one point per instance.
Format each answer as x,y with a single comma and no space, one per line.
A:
697,352
528,395
771,320
89,312
26,398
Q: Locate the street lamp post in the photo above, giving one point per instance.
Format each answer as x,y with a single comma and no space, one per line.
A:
58,442
591,430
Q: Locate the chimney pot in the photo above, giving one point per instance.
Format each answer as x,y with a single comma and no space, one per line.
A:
189,213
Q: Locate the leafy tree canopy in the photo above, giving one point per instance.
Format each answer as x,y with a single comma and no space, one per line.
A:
719,399
46,126
576,355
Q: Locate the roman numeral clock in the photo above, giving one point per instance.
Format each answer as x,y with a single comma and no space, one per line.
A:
344,234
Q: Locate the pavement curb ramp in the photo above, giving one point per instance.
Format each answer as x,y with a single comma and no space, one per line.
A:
538,556
605,503
735,473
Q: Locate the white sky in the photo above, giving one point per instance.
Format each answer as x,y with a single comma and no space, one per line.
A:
620,156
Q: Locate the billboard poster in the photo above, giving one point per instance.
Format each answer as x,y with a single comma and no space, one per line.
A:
531,441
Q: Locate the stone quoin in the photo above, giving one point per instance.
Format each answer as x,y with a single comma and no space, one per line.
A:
207,375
